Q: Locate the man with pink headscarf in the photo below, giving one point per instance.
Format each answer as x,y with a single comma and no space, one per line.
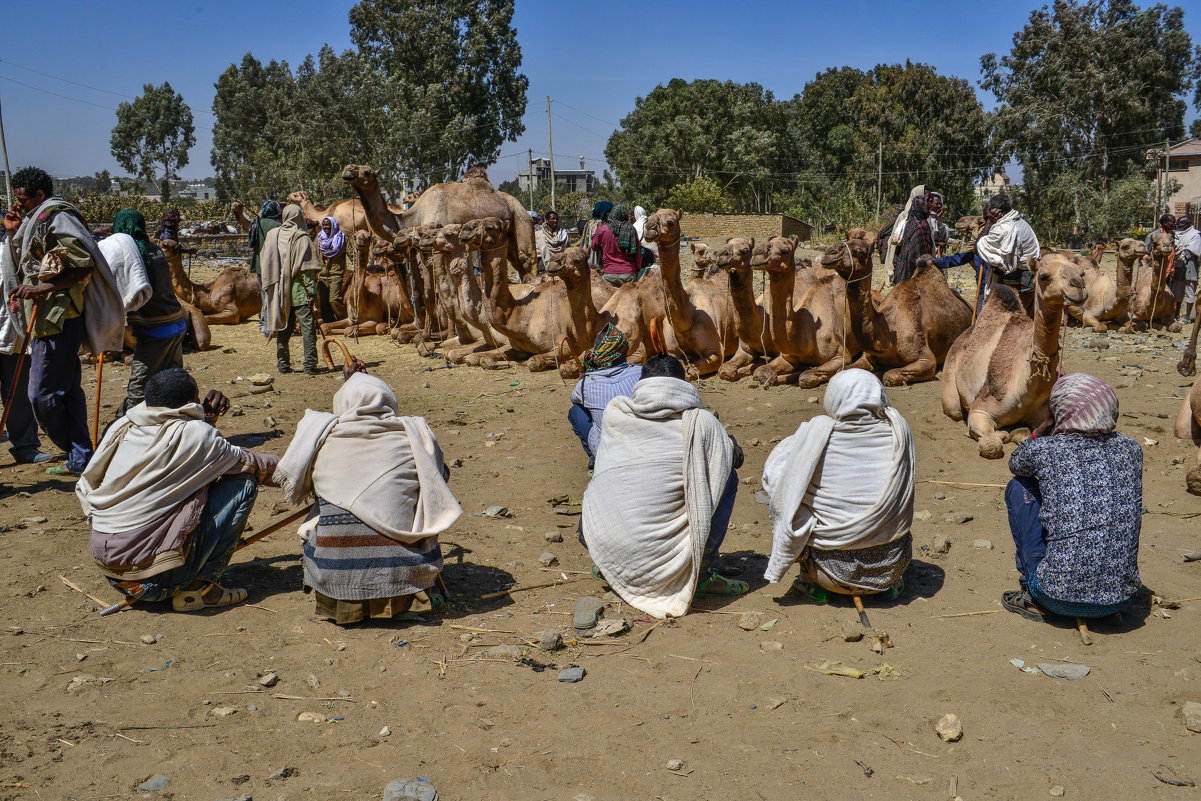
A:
1075,507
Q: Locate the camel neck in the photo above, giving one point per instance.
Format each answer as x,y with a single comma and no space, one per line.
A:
742,293
1048,319
679,305
781,284
382,222
493,267
862,306
183,286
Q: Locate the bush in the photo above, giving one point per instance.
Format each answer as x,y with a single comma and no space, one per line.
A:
100,209
698,195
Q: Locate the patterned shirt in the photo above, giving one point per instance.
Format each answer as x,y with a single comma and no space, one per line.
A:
594,391
1092,507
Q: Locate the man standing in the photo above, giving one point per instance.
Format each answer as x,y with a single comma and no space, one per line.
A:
1010,249
1184,280
656,513
60,269
168,228
290,265
606,375
22,429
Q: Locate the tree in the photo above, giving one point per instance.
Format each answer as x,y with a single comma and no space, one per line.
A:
102,183
155,130
442,81
1194,130
701,194
1088,86
734,133
253,106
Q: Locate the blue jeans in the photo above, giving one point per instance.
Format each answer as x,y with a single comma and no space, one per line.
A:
581,424
721,520
212,543
59,404
1024,502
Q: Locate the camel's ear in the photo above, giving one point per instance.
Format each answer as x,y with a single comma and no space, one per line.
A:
752,243
692,247
506,225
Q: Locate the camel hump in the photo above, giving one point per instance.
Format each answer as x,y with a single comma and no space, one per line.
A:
1006,298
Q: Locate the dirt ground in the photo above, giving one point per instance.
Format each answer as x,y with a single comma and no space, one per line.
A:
746,722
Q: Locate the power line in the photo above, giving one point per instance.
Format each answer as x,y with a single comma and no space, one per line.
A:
75,99
77,83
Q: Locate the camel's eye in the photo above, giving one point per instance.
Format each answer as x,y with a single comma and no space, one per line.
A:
1044,276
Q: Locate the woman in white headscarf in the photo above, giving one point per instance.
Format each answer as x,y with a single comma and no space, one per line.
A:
653,247
377,482
841,494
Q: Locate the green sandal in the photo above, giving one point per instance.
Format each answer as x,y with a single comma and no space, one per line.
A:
814,592
597,574
59,470
436,603
893,592
728,586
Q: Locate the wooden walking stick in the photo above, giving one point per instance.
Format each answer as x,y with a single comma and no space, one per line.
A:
12,393
99,385
326,340
269,530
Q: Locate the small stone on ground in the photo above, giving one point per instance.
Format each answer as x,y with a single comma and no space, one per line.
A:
572,674
949,728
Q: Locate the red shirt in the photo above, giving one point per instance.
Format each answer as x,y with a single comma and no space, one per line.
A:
613,261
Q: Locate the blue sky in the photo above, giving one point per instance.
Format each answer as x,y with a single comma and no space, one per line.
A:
595,61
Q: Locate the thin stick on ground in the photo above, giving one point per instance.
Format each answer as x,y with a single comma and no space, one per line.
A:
968,614
958,483
512,590
75,587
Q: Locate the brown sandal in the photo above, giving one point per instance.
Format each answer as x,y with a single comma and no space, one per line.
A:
193,600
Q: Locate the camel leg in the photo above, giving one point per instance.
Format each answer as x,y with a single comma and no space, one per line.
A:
459,355
816,376
864,362
738,366
486,357
1093,323
923,369
541,362
780,370
981,428
223,317
948,387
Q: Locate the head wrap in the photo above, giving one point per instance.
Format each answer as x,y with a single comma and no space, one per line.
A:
171,216
918,239
1082,404
855,393
601,208
131,221
609,350
331,244
271,210
619,224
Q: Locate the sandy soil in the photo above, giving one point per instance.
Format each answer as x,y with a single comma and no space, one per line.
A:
747,723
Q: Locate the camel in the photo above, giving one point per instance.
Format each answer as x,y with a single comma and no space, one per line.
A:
228,299
1106,300
455,202
908,330
701,316
704,260
738,257
999,372
1188,426
1151,300
536,319
244,221
377,300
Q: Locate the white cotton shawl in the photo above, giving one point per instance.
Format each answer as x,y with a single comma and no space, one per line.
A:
129,273
12,321
1189,240
812,504
148,463
287,252
660,471
898,227
384,469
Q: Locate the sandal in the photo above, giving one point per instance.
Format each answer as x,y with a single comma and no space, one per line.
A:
59,470
436,603
597,574
815,592
1018,602
728,586
193,600
893,592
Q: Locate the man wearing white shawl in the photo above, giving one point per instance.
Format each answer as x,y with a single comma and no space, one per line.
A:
841,494
657,508
168,497
23,441
290,263
377,484
1184,280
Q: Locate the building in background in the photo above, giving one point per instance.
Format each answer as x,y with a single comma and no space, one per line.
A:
581,180
995,185
1184,170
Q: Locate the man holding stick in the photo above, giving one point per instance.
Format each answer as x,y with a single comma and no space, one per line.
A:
168,497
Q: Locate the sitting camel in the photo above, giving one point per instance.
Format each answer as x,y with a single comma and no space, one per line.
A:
910,329
739,257
1151,301
231,297
999,372
376,298
704,260
535,320
1106,299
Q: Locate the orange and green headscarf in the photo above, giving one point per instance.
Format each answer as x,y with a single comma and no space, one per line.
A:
609,350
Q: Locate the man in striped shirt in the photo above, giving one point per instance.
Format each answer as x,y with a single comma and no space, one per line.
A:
606,376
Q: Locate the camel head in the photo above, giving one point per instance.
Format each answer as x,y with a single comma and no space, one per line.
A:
737,253
965,225
446,238
361,177
1130,250
299,198
851,259
486,233
1097,252
703,256
780,251
663,226
236,208
571,262
1060,280
1162,242
404,242
424,237
169,247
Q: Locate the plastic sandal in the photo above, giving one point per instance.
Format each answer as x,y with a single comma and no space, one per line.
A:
597,574
893,592
436,603
59,470
815,592
1017,601
193,600
728,586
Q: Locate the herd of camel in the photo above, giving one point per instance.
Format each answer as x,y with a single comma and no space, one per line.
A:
439,271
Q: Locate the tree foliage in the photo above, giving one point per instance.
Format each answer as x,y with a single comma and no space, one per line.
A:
1088,86
153,131
698,194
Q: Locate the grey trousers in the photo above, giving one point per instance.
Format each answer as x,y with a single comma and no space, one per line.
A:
151,355
303,315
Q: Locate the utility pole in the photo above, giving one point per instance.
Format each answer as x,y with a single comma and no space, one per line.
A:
550,146
530,177
8,173
1167,144
879,176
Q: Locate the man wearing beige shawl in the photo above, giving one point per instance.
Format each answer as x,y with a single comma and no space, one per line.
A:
840,494
168,497
377,485
290,263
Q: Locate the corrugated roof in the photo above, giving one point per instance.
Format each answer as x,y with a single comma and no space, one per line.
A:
1190,148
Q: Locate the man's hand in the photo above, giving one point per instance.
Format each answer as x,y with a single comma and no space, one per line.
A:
215,404
30,291
355,365
12,220
1044,428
